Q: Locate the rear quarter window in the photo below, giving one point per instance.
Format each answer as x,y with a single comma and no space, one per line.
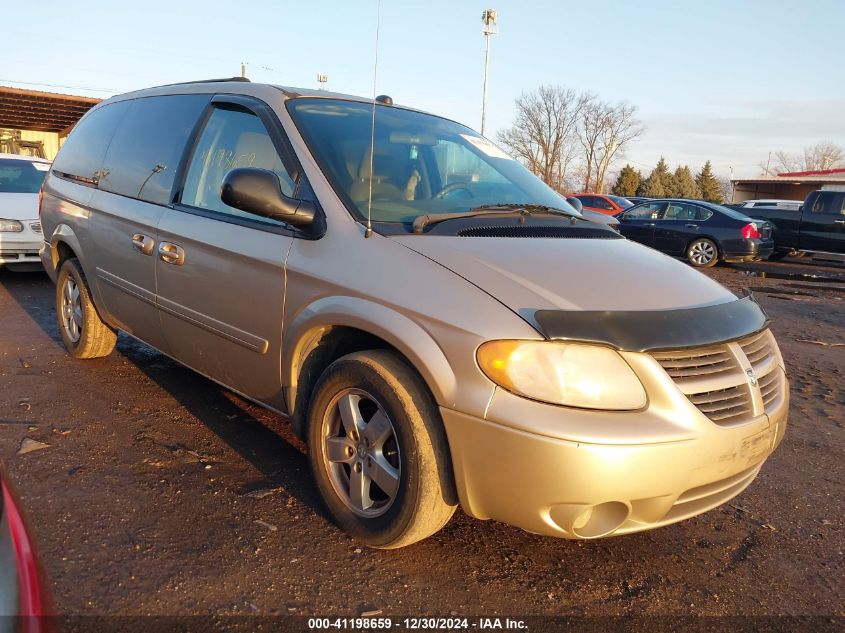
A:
81,155
144,153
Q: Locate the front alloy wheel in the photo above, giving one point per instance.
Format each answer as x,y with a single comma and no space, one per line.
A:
378,450
361,453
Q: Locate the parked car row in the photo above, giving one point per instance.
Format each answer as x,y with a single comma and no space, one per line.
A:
706,233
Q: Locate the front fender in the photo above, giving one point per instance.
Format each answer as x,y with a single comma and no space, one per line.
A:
407,336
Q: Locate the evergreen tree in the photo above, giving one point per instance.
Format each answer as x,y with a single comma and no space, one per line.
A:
683,184
708,184
658,182
628,182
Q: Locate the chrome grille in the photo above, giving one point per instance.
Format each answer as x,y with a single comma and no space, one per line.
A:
715,379
694,363
771,389
724,406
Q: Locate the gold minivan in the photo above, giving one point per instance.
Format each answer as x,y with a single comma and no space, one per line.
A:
439,326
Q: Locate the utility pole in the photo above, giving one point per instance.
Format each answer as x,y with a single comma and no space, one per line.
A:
488,19
768,162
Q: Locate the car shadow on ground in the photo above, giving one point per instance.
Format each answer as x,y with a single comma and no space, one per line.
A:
281,460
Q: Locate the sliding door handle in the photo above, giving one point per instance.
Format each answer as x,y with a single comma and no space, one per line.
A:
171,253
143,243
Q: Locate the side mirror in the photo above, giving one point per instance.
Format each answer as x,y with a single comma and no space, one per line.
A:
576,203
258,191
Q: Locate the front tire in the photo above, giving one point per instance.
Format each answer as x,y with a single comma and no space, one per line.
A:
83,332
378,450
702,253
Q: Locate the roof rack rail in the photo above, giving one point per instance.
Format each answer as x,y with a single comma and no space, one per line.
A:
208,81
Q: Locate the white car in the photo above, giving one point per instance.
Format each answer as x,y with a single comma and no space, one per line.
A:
788,205
20,229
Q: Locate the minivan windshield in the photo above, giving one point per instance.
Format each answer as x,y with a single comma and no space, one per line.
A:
420,164
21,176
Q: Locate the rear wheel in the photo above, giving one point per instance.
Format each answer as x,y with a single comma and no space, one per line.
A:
702,253
378,450
83,332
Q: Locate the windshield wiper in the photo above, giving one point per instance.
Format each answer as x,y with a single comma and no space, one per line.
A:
422,221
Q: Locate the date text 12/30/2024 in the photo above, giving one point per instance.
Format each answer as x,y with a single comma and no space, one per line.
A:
416,624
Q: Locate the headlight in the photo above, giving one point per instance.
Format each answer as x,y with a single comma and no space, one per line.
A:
10,226
571,374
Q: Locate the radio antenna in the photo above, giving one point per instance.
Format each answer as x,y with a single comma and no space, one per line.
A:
369,230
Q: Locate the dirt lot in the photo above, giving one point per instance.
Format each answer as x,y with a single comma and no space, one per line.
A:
161,493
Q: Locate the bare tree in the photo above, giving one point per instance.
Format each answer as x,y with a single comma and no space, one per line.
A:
543,133
824,155
621,126
604,131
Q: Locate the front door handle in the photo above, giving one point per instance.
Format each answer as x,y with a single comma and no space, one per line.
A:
171,253
692,226
143,243
839,221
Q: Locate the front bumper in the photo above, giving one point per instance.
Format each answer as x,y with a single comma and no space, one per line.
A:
682,465
23,247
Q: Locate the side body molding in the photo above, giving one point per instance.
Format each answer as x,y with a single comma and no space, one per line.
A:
407,336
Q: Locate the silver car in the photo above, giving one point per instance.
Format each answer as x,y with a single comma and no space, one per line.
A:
438,325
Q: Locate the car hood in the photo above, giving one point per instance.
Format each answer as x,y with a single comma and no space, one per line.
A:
18,206
529,274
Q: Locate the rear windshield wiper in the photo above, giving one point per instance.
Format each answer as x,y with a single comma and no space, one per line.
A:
422,221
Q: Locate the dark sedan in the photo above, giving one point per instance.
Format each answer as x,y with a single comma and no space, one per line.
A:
703,232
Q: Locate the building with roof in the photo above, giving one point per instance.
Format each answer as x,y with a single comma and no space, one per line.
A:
36,123
794,185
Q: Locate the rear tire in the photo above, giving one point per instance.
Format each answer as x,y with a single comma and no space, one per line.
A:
83,332
378,450
702,253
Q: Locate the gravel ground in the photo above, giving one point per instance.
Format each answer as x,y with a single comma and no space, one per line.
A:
161,493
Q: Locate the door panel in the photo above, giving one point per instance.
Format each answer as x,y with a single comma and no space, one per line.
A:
675,228
126,274
221,271
638,223
221,309
823,224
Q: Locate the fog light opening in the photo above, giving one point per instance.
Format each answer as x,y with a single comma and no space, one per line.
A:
600,520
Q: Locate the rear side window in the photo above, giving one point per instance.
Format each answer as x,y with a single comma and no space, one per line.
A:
81,156
21,176
144,153
829,203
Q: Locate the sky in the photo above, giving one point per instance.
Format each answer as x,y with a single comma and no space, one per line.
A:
724,80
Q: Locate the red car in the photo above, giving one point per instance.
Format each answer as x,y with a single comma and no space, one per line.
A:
22,593
603,203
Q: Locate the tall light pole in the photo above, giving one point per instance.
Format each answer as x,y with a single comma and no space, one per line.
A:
488,19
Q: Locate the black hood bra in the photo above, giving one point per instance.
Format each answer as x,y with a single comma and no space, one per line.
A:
650,330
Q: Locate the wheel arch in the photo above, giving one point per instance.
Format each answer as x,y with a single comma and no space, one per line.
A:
335,326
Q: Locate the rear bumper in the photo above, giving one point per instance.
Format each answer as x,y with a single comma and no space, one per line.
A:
578,490
748,250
